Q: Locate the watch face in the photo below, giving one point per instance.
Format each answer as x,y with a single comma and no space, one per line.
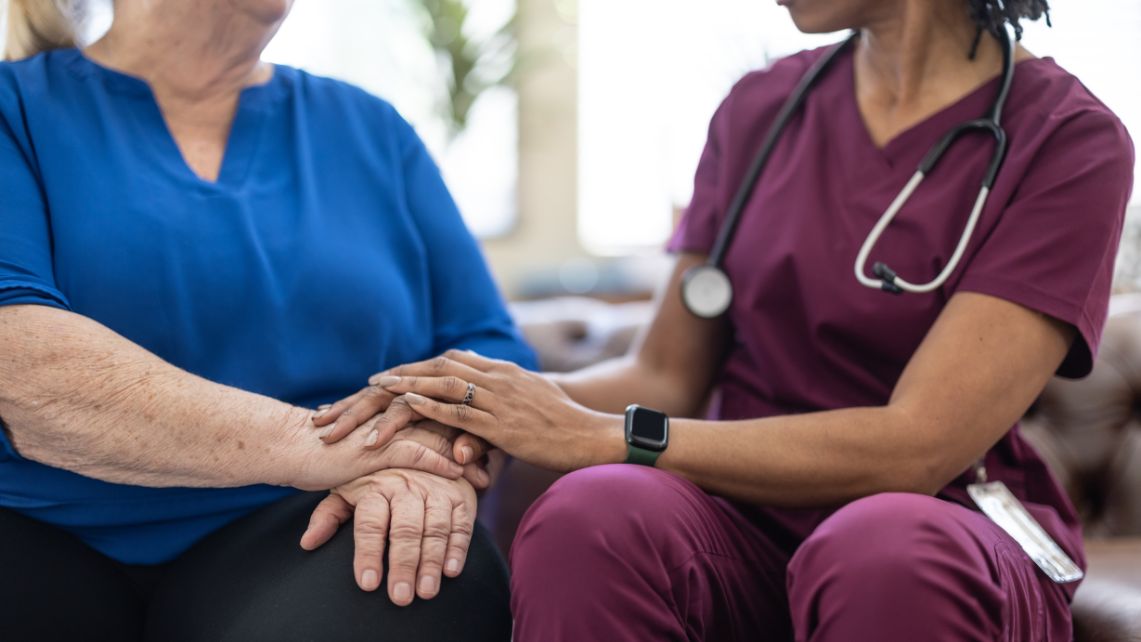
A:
647,428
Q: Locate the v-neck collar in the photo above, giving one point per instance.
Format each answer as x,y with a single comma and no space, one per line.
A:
908,146
242,140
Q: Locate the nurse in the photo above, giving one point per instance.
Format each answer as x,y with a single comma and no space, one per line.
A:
813,480
197,249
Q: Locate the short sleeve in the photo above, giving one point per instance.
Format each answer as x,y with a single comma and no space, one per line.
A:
1054,246
26,274
697,230
467,309
25,242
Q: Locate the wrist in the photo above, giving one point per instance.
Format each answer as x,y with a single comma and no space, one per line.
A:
608,439
297,456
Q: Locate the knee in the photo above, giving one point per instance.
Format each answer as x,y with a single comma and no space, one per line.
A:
594,511
889,543
484,578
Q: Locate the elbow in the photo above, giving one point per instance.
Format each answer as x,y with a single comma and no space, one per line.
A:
925,484
7,439
922,463
23,444
909,474
925,472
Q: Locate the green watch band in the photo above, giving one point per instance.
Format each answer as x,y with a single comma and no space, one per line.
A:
647,435
641,456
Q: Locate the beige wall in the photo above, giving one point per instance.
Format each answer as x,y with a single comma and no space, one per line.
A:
546,233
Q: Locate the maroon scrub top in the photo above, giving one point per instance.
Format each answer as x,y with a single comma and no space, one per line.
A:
809,337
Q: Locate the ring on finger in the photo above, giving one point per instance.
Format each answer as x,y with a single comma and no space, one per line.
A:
470,394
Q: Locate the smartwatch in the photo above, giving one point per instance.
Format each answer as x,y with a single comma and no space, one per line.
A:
647,435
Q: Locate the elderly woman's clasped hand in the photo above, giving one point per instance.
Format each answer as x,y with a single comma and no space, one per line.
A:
422,515
470,402
425,520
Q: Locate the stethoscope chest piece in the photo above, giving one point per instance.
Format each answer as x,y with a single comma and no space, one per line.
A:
706,291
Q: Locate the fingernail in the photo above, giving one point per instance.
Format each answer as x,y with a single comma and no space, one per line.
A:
326,431
385,381
415,399
325,406
427,585
484,477
467,453
372,437
369,580
320,413
376,377
453,566
402,592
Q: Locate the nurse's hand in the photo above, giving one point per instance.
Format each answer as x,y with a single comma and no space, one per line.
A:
521,412
361,411
423,520
336,421
481,465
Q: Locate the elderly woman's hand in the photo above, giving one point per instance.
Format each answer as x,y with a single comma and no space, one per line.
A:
364,408
521,412
481,463
417,446
426,522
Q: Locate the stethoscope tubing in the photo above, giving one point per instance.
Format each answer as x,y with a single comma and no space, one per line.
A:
772,137
885,278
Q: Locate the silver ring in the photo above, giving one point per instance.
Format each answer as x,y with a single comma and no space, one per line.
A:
470,394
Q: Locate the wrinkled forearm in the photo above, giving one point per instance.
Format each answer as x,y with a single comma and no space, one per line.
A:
77,396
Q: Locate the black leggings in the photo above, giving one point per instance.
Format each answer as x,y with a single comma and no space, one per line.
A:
248,581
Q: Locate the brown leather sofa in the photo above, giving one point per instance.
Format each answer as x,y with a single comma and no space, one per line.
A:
1089,431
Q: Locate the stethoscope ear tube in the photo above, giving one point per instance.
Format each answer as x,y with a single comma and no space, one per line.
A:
936,153
886,278
997,159
707,290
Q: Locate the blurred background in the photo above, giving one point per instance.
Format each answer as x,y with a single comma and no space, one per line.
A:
569,130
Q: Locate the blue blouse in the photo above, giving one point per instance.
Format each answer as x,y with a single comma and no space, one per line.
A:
327,250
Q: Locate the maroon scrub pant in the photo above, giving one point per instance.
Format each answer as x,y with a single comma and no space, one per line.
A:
623,552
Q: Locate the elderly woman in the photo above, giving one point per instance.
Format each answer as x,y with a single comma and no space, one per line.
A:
828,494
196,249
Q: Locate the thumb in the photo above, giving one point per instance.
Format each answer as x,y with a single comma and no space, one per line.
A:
468,448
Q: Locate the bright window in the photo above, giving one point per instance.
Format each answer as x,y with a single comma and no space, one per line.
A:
379,45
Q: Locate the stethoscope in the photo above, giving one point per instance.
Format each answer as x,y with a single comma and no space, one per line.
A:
706,289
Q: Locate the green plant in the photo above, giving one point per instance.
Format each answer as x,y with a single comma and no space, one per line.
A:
474,64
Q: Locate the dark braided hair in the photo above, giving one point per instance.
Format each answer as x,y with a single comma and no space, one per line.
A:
992,15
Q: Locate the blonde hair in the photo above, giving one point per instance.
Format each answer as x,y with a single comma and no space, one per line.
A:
40,25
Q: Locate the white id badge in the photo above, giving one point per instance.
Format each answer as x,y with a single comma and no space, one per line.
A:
1004,509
